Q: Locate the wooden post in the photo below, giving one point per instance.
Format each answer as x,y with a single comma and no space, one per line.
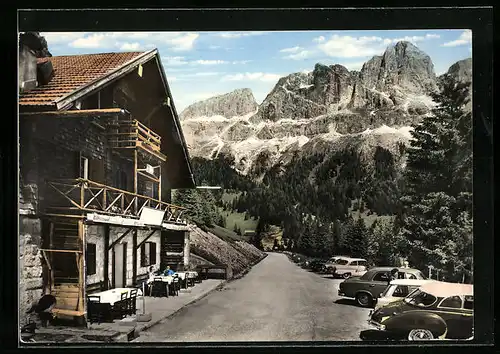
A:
104,198
135,179
51,245
82,194
106,257
159,184
134,256
81,267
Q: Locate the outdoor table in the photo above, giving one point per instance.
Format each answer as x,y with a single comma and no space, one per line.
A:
113,299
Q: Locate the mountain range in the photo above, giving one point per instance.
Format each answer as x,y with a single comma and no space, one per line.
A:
326,110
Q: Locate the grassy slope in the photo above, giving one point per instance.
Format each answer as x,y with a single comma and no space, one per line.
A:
233,217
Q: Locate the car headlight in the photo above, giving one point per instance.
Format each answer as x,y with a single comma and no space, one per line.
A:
384,318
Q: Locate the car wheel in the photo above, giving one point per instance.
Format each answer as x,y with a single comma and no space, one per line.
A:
364,299
420,334
346,275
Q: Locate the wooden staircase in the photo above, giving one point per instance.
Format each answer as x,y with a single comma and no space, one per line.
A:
64,257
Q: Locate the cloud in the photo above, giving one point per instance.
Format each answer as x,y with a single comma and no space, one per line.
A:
465,38
356,47
229,35
291,50
181,41
252,77
173,61
241,61
208,62
303,54
55,38
319,39
175,41
130,46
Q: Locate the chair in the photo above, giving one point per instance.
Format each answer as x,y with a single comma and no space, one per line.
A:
120,308
158,288
132,308
175,286
93,310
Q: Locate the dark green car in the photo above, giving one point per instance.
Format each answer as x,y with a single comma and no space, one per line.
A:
437,310
367,288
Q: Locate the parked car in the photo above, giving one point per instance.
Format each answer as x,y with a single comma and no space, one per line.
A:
369,286
437,310
331,263
399,289
318,265
345,267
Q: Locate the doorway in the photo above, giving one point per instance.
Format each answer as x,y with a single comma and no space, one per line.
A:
120,265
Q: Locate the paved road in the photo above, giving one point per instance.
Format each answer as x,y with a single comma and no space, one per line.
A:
276,300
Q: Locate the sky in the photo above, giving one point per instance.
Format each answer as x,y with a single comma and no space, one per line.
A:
200,65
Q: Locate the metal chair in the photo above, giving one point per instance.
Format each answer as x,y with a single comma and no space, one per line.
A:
158,288
132,308
93,310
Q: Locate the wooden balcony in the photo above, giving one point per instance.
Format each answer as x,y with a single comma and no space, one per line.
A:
84,196
132,134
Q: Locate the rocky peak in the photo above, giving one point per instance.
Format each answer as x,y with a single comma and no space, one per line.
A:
236,103
461,71
408,67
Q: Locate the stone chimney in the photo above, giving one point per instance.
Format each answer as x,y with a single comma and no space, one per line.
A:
33,72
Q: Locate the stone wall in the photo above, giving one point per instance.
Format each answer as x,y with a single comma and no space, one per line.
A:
30,257
95,234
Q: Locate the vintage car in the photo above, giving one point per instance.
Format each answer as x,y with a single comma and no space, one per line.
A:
318,265
369,286
437,310
345,267
399,289
330,264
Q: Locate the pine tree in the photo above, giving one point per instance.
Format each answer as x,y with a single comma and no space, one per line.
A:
436,220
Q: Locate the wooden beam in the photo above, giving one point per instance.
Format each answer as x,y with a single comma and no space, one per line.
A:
119,239
81,306
76,113
153,179
60,251
147,238
135,180
106,256
134,257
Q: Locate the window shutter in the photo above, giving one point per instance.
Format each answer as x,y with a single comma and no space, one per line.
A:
91,258
143,255
152,249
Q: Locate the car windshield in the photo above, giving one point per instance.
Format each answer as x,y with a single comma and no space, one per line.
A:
389,290
420,299
420,275
362,263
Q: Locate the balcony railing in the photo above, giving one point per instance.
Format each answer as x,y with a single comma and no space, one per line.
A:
131,134
83,195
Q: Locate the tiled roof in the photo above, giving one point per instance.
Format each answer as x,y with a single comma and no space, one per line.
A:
72,72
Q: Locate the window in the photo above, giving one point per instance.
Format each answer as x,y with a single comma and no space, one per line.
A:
341,261
401,275
84,167
469,303
454,302
420,299
381,276
401,291
362,263
90,259
148,254
411,276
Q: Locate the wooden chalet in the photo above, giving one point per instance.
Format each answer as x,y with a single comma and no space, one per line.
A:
101,143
